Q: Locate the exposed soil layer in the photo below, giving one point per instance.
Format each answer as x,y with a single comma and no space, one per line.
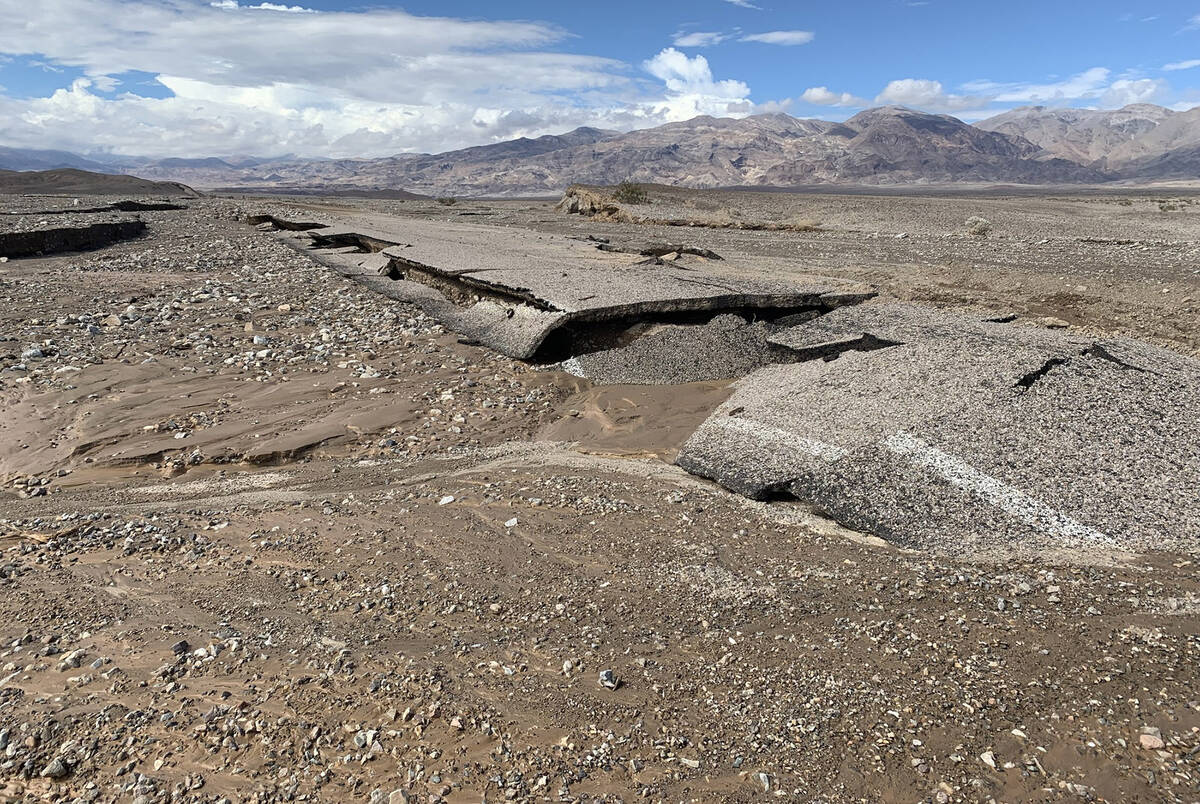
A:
119,206
75,238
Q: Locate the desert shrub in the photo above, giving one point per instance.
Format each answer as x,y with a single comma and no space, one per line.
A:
629,193
798,224
447,201
719,218
1125,202
1164,207
978,227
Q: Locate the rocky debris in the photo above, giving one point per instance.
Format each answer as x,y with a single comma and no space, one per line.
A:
942,431
725,347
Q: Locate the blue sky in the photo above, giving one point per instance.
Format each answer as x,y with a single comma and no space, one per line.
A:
342,79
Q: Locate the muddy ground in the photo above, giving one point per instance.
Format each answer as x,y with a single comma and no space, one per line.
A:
269,536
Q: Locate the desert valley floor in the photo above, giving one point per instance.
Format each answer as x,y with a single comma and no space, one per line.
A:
271,531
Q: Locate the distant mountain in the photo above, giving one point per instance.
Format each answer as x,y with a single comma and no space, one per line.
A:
1141,141
891,145
210,162
30,159
885,146
69,181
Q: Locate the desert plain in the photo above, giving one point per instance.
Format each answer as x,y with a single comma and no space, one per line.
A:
273,532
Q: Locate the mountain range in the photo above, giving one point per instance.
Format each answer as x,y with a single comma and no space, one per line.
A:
883,146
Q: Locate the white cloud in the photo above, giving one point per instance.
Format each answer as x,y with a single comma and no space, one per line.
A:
693,78
1182,65
1125,91
744,4
251,79
699,38
822,96
233,4
1088,84
925,94
780,37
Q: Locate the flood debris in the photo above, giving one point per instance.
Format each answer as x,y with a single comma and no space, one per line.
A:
963,433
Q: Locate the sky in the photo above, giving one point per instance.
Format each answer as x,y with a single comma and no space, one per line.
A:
340,79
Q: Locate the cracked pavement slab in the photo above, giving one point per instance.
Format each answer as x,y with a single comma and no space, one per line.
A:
969,436
519,288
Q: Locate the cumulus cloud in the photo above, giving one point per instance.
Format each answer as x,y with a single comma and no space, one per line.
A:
272,78
822,96
1126,91
924,94
692,90
780,37
1182,65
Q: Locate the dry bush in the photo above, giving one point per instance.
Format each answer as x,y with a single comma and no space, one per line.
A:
718,218
978,227
629,193
798,224
447,201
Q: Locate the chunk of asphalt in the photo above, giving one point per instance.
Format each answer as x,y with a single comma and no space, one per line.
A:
525,293
937,443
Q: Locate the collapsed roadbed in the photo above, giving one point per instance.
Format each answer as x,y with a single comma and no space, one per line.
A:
926,428
548,298
68,238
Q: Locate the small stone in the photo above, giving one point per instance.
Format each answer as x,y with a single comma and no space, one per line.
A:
607,679
1151,739
57,769
989,759
181,647
449,498
512,523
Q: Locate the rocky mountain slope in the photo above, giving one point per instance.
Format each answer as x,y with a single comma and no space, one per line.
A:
82,182
891,145
884,146
34,159
1139,141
